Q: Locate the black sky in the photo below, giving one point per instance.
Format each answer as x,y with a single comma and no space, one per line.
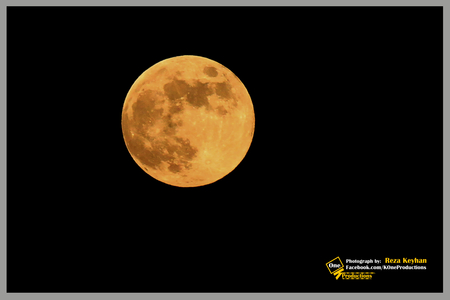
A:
346,158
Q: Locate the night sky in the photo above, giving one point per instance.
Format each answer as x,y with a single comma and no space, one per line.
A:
346,158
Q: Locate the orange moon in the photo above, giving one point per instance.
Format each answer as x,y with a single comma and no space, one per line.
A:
188,121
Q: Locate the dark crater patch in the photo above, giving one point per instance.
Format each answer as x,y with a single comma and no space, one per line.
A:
185,153
223,89
176,89
176,107
139,87
185,150
152,157
174,168
171,148
144,111
160,72
198,95
170,127
187,164
221,110
210,71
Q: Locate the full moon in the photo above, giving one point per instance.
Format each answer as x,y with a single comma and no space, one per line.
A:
188,121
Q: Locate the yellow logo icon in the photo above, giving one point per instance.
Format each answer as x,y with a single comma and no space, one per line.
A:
336,267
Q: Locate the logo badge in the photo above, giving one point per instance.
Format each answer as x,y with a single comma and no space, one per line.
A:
335,267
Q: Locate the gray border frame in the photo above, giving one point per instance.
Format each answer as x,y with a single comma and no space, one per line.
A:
200,296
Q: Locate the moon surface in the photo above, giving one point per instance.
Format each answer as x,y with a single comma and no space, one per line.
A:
188,121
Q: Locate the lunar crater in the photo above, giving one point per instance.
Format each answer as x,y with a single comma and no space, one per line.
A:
198,95
223,89
210,71
176,89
